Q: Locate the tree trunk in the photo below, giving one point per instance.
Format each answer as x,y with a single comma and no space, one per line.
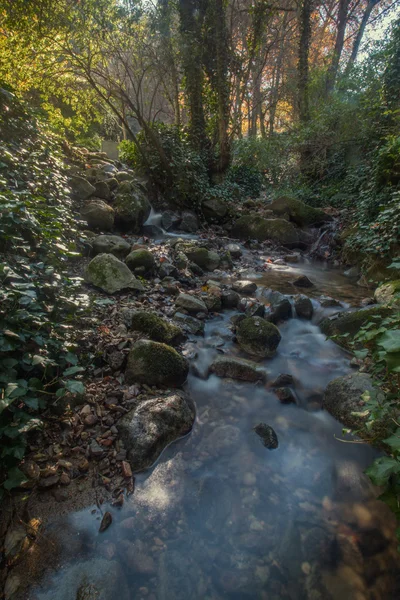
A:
222,84
303,67
357,42
341,28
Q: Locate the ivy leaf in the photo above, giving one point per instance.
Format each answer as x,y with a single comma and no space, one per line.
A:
15,478
394,441
75,387
381,470
73,370
390,340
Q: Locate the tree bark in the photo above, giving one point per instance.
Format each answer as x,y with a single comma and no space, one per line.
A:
303,61
337,52
357,42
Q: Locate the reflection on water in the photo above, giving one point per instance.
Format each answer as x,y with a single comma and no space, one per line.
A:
220,516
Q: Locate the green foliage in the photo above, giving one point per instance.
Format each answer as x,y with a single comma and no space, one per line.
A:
37,298
248,179
269,157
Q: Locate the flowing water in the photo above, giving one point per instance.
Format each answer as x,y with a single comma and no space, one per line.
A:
220,516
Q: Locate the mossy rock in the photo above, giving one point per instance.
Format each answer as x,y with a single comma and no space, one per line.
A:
298,212
386,293
191,304
110,244
98,215
154,363
258,337
214,209
254,227
237,368
205,259
132,208
350,322
156,328
111,275
141,259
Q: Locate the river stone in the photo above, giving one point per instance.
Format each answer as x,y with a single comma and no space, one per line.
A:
95,579
213,301
229,299
170,220
303,281
298,212
255,309
254,227
234,250
154,363
237,368
386,293
350,321
81,188
189,222
111,244
280,308
245,287
152,425
224,439
111,275
342,398
214,209
192,304
141,259
205,259
268,435
190,324
98,215
102,190
303,307
155,327
132,208
258,337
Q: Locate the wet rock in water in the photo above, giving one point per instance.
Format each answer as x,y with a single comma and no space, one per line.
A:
254,227
282,380
154,363
111,275
132,207
292,258
343,398
285,395
234,250
298,212
154,424
111,244
268,435
137,558
237,368
105,522
170,220
236,319
141,259
350,482
95,579
229,299
280,308
328,302
226,261
205,259
387,293
303,281
245,287
98,215
192,304
180,576
223,440
372,541
352,272
303,307
213,301
350,321
214,209
190,324
258,337
81,188
255,309
189,222
155,327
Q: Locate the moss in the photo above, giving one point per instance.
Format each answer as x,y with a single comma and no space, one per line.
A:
141,258
257,228
386,293
110,274
298,212
156,328
131,208
350,322
258,337
154,363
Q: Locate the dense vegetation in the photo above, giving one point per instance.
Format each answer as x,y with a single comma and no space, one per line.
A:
211,99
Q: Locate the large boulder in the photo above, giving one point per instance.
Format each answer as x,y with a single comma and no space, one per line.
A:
237,368
102,190
344,398
153,425
191,304
111,244
298,212
303,307
154,363
258,337
154,327
388,293
350,322
189,222
132,208
254,227
214,209
142,260
82,189
206,259
98,215
111,275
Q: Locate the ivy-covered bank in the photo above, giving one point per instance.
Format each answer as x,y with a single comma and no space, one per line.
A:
39,300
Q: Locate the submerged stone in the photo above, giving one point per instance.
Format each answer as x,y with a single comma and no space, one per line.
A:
303,307
303,281
237,368
154,363
111,275
154,424
268,435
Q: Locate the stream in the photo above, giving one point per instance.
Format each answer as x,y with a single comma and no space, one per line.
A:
221,516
